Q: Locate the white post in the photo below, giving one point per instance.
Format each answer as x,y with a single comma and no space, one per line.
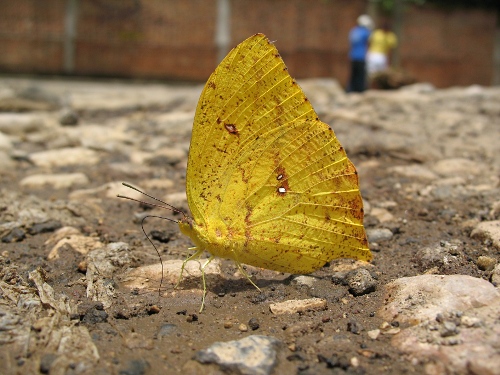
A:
223,28
70,35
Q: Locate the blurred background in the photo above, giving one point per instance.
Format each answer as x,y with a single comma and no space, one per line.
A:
443,42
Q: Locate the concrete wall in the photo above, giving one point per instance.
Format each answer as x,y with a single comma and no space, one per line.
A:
177,38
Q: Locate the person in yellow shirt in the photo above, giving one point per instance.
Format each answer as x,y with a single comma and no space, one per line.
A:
382,42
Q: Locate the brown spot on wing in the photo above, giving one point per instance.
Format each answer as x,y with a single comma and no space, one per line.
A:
231,128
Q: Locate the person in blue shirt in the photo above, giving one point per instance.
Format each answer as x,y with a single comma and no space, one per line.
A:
358,38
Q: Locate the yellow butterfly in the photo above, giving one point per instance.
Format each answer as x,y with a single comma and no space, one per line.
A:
268,183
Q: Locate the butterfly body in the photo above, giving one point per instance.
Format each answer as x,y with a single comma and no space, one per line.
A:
268,183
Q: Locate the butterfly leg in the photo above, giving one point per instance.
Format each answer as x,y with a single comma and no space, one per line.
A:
191,257
246,275
202,269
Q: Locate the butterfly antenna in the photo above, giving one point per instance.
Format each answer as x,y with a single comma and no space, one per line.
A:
165,204
156,249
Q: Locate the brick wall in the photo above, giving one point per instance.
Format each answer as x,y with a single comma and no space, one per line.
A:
175,38
449,47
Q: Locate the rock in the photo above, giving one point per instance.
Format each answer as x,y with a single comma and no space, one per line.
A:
414,299
454,325
56,181
5,143
354,327
495,211
252,355
457,167
444,257
15,235
20,123
68,117
68,236
136,367
166,330
373,334
253,324
378,234
485,263
304,280
108,190
488,231
360,282
48,226
65,157
135,340
166,156
150,276
176,199
295,306
382,214
495,276
414,171
6,162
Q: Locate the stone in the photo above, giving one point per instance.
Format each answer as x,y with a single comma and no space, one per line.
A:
150,276
255,355
5,143
417,298
414,171
56,181
378,234
297,306
382,214
20,123
457,167
485,263
495,276
65,157
360,282
68,117
488,231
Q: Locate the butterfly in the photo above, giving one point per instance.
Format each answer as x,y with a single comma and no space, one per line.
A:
268,184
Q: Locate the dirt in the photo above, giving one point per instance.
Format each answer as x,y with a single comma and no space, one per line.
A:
144,333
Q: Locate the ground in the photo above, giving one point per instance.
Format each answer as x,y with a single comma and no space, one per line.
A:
428,163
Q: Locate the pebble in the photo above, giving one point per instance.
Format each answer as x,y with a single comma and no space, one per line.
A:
488,231
253,324
166,330
256,355
5,143
374,334
485,263
56,181
378,234
15,235
457,167
48,226
296,306
414,171
136,367
243,328
65,157
68,117
382,214
304,280
149,276
360,281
